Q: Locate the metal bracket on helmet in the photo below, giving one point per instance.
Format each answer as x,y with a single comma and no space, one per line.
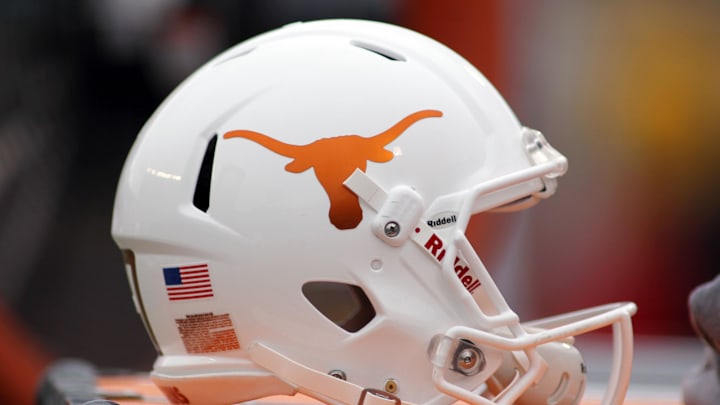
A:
398,212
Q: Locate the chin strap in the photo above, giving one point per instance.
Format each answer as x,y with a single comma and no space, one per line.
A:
321,386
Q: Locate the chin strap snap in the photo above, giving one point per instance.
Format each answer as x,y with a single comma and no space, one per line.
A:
316,384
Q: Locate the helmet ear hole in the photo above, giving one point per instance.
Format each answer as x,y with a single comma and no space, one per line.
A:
346,305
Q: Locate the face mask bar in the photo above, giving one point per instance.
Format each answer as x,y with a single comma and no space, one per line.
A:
559,327
540,151
405,215
493,313
549,164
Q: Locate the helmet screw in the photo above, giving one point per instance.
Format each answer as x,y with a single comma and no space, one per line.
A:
391,385
339,374
392,229
469,360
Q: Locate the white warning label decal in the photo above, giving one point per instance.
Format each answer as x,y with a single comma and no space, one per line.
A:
207,333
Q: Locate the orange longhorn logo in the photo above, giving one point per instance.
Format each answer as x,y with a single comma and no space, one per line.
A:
334,159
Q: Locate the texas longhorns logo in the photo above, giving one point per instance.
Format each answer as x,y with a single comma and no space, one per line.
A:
334,159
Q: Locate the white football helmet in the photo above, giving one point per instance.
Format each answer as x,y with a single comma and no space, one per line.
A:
293,220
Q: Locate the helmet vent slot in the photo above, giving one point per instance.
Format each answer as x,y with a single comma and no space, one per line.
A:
235,56
378,50
201,199
346,305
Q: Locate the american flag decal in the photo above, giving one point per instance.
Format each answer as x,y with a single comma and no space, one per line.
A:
188,282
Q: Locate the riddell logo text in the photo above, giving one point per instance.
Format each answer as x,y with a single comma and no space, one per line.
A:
434,246
334,159
444,220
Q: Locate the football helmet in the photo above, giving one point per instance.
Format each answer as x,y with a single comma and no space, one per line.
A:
293,221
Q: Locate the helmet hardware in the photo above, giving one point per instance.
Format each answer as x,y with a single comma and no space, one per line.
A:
469,359
391,385
339,374
392,229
